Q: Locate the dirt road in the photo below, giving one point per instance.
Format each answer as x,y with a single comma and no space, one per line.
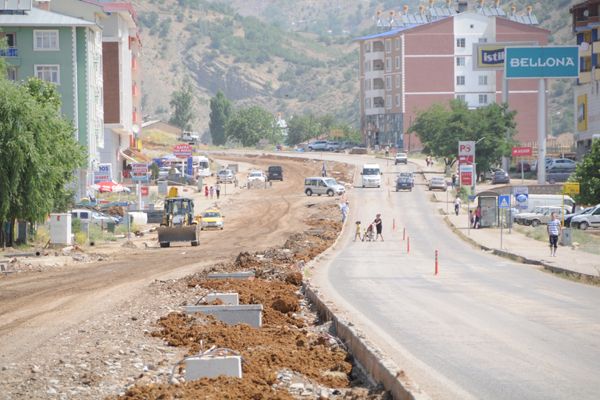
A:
36,308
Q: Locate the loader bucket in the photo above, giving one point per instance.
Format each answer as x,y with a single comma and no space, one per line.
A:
167,234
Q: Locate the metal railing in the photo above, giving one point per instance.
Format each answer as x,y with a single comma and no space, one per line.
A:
10,52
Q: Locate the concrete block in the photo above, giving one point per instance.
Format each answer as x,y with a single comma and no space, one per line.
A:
231,275
250,314
207,366
230,299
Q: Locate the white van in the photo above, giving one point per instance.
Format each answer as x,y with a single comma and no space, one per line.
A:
322,185
544,200
202,164
371,175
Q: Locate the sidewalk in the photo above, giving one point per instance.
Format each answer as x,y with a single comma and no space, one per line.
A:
516,245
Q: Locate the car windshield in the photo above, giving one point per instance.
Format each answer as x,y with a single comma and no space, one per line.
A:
401,155
211,215
330,182
255,174
437,180
370,171
224,172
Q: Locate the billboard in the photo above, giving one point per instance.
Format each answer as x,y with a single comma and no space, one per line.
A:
542,62
466,152
104,173
490,56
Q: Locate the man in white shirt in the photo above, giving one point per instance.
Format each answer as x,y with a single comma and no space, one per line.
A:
553,233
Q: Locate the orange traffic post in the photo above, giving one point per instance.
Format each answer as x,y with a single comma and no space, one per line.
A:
436,262
408,245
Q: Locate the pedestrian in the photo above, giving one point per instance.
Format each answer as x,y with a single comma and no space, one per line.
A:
357,233
218,190
457,203
472,218
553,232
427,161
454,181
212,192
477,223
344,208
378,227
206,191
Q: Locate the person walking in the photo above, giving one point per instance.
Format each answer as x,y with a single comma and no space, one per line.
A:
344,208
218,190
477,218
212,192
457,203
378,227
454,177
553,232
357,233
206,191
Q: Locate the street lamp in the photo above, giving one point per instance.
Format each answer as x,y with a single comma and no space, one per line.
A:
475,164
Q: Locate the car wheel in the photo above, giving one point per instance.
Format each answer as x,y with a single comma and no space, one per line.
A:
330,193
535,223
165,244
308,192
583,225
201,229
194,243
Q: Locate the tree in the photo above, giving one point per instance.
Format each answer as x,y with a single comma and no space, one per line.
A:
220,112
38,154
182,103
441,128
249,125
587,174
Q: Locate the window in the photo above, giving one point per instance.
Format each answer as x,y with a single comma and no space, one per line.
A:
45,40
460,80
461,97
367,66
388,64
388,45
398,80
11,74
388,83
11,39
368,103
482,40
367,84
397,62
397,43
461,42
397,100
483,79
367,47
460,61
483,99
388,101
48,73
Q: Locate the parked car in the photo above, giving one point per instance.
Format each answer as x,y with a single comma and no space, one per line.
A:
438,182
211,219
500,176
188,136
583,211
560,164
358,150
401,158
225,176
404,183
523,217
534,164
322,185
94,217
591,219
334,146
275,173
542,218
256,176
318,145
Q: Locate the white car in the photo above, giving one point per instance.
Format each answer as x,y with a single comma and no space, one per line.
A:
225,176
401,158
256,176
584,221
94,217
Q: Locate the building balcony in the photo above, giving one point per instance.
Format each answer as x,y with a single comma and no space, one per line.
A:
597,74
375,110
374,55
9,52
585,77
375,93
374,74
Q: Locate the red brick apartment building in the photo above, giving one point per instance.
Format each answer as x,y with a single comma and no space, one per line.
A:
427,58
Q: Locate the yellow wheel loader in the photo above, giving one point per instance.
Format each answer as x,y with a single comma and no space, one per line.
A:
178,223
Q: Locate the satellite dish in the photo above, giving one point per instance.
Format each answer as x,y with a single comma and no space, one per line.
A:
584,46
135,128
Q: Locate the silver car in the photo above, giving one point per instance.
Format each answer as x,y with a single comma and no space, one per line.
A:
322,185
225,176
438,182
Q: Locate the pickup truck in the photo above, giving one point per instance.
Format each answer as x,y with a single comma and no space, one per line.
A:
187,136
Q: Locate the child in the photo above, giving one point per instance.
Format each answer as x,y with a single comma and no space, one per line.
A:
357,234
368,236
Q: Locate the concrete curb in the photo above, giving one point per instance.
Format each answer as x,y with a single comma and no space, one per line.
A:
521,259
366,355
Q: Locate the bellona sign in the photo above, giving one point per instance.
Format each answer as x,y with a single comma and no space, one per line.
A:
542,62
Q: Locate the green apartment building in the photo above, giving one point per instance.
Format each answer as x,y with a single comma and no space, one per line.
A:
66,51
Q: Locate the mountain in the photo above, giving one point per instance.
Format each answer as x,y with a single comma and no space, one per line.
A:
289,56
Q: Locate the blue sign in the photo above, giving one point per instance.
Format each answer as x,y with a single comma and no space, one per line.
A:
189,166
542,62
472,197
504,201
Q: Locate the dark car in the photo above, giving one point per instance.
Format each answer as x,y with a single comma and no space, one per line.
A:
404,183
275,173
500,176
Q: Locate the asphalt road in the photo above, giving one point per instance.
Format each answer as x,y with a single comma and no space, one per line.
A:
484,328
